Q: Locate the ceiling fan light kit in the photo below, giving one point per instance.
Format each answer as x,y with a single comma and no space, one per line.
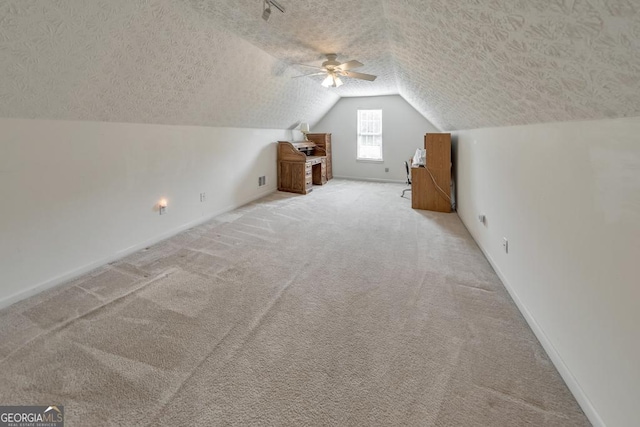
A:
332,81
333,70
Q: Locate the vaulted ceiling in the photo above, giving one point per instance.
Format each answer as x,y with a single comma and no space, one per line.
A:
461,63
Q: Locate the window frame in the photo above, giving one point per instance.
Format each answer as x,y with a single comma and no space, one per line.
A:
358,134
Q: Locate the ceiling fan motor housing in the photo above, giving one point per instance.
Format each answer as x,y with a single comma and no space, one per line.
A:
331,62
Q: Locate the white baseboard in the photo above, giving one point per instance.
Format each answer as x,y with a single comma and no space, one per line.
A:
357,178
566,374
76,272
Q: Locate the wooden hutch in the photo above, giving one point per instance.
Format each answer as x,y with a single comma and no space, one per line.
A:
431,185
323,141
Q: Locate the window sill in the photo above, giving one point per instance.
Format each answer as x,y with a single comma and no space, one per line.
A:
369,161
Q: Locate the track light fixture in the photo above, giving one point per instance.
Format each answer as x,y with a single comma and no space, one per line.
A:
266,9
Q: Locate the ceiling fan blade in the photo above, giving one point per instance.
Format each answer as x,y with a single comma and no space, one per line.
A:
349,65
322,73
362,76
310,66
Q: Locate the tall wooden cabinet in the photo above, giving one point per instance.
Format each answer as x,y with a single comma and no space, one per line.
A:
431,185
323,141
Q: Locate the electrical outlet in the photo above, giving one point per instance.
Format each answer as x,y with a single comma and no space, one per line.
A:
262,180
482,218
386,169
505,245
203,197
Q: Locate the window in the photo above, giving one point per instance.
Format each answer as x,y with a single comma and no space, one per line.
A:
369,135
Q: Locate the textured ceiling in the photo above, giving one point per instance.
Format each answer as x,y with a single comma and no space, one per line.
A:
310,29
469,64
461,63
153,61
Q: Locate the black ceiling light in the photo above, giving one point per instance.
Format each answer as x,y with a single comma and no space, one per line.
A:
266,11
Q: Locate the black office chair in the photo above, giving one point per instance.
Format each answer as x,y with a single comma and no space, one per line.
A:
406,166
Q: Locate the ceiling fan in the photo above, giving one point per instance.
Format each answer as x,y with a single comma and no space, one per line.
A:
334,70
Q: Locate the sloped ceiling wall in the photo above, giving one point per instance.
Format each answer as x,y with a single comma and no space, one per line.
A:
476,63
461,63
155,61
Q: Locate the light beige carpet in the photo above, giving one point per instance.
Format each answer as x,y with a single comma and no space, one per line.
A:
344,307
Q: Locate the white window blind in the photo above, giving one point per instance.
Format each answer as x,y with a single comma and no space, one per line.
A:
369,135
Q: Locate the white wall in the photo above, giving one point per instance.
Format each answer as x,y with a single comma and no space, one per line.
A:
567,196
75,195
403,130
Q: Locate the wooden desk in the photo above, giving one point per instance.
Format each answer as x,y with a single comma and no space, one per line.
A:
424,194
318,169
299,167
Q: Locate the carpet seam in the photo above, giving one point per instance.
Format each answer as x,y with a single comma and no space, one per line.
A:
106,303
249,333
